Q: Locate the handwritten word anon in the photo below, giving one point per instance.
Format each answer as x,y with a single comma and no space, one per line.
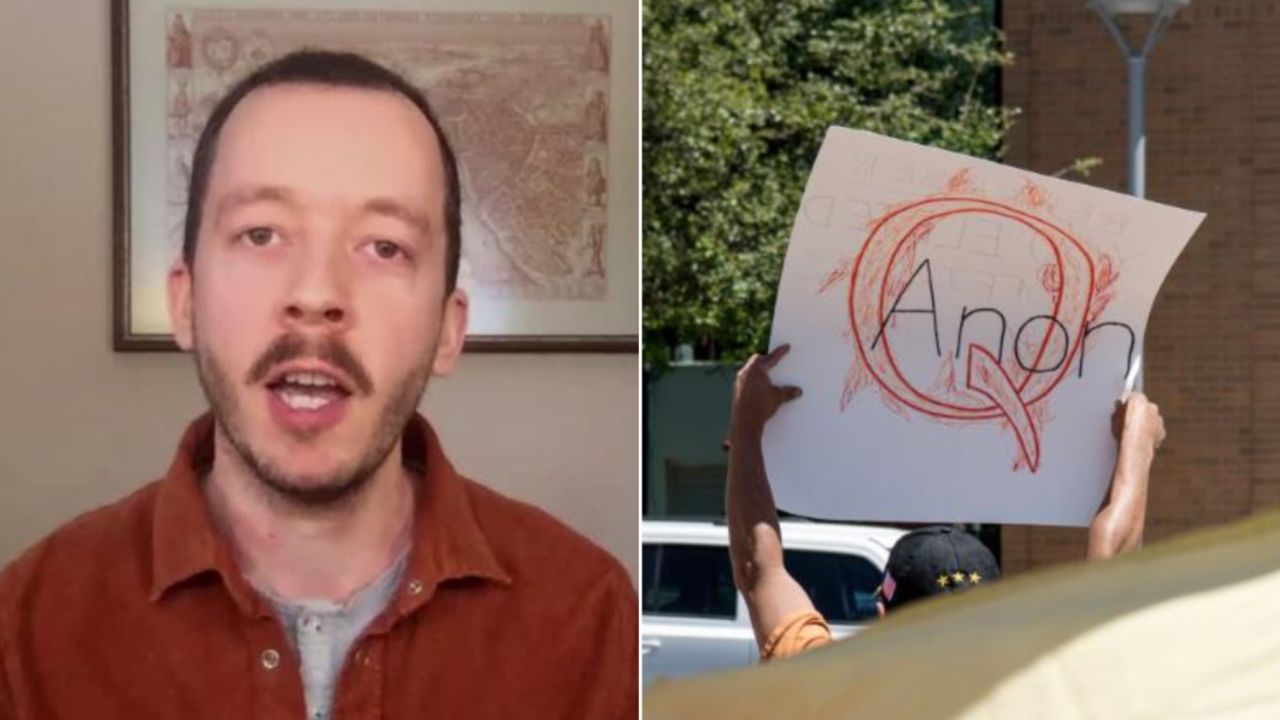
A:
1044,323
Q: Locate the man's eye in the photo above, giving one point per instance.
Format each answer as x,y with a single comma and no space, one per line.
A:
259,236
386,249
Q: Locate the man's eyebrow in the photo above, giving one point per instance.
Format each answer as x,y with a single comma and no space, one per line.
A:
399,211
238,197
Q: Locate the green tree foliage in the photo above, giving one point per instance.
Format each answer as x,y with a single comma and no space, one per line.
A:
737,96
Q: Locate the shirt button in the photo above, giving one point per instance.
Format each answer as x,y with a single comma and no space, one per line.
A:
415,587
270,659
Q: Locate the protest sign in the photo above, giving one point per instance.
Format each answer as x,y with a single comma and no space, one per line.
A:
962,331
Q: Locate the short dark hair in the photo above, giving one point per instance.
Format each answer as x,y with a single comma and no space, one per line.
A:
336,69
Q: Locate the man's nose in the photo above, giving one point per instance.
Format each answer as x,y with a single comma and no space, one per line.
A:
319,291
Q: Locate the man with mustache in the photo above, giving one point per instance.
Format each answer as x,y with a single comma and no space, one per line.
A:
311,552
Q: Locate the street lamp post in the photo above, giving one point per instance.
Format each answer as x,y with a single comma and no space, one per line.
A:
1164,10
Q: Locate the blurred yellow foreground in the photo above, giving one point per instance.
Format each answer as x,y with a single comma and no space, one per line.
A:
1184,629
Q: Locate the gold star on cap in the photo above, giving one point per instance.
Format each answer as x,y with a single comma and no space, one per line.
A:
958,577
975,578
942,580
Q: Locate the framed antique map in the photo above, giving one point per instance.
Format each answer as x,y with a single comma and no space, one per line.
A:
538,98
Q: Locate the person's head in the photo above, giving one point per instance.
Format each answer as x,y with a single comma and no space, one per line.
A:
317,279
934,560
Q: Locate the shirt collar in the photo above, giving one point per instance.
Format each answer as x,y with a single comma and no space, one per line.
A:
449,542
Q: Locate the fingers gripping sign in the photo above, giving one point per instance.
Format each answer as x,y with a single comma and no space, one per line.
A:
755,397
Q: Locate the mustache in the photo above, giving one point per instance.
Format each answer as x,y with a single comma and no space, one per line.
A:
330,350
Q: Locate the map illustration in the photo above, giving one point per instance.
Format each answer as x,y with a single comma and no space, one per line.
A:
524,98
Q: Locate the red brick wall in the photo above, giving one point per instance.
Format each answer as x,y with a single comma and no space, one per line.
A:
1212,356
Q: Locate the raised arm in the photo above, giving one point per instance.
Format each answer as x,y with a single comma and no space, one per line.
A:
755,541
1119,524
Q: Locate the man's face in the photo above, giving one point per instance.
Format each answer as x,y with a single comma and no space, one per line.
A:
316,304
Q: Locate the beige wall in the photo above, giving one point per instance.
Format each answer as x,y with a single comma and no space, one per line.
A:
81,425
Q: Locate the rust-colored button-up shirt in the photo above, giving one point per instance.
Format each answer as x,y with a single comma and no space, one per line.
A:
137,610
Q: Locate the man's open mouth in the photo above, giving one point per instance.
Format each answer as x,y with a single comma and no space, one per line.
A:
307,390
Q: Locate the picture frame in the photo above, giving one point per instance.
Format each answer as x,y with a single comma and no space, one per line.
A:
550,250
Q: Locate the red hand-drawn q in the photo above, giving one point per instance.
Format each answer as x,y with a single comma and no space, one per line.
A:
887,259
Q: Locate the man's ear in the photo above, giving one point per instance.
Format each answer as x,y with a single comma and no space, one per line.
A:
880,611
453,332
180,303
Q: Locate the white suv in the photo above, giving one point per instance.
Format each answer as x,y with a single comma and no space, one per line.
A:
695,621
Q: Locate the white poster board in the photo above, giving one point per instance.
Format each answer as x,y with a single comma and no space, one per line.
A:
962,331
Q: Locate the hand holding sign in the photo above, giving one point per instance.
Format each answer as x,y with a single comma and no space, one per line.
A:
1118,526
755,397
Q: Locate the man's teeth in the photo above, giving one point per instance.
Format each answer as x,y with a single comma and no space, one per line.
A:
309,378
300,401
307,390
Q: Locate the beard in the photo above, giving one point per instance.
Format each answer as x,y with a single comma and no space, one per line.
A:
341,483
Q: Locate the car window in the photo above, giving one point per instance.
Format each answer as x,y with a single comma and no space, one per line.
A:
648,566
841,586
691,580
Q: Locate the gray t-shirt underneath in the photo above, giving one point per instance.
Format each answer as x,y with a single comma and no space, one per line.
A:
322,632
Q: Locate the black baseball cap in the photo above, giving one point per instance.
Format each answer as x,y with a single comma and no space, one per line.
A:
935,560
